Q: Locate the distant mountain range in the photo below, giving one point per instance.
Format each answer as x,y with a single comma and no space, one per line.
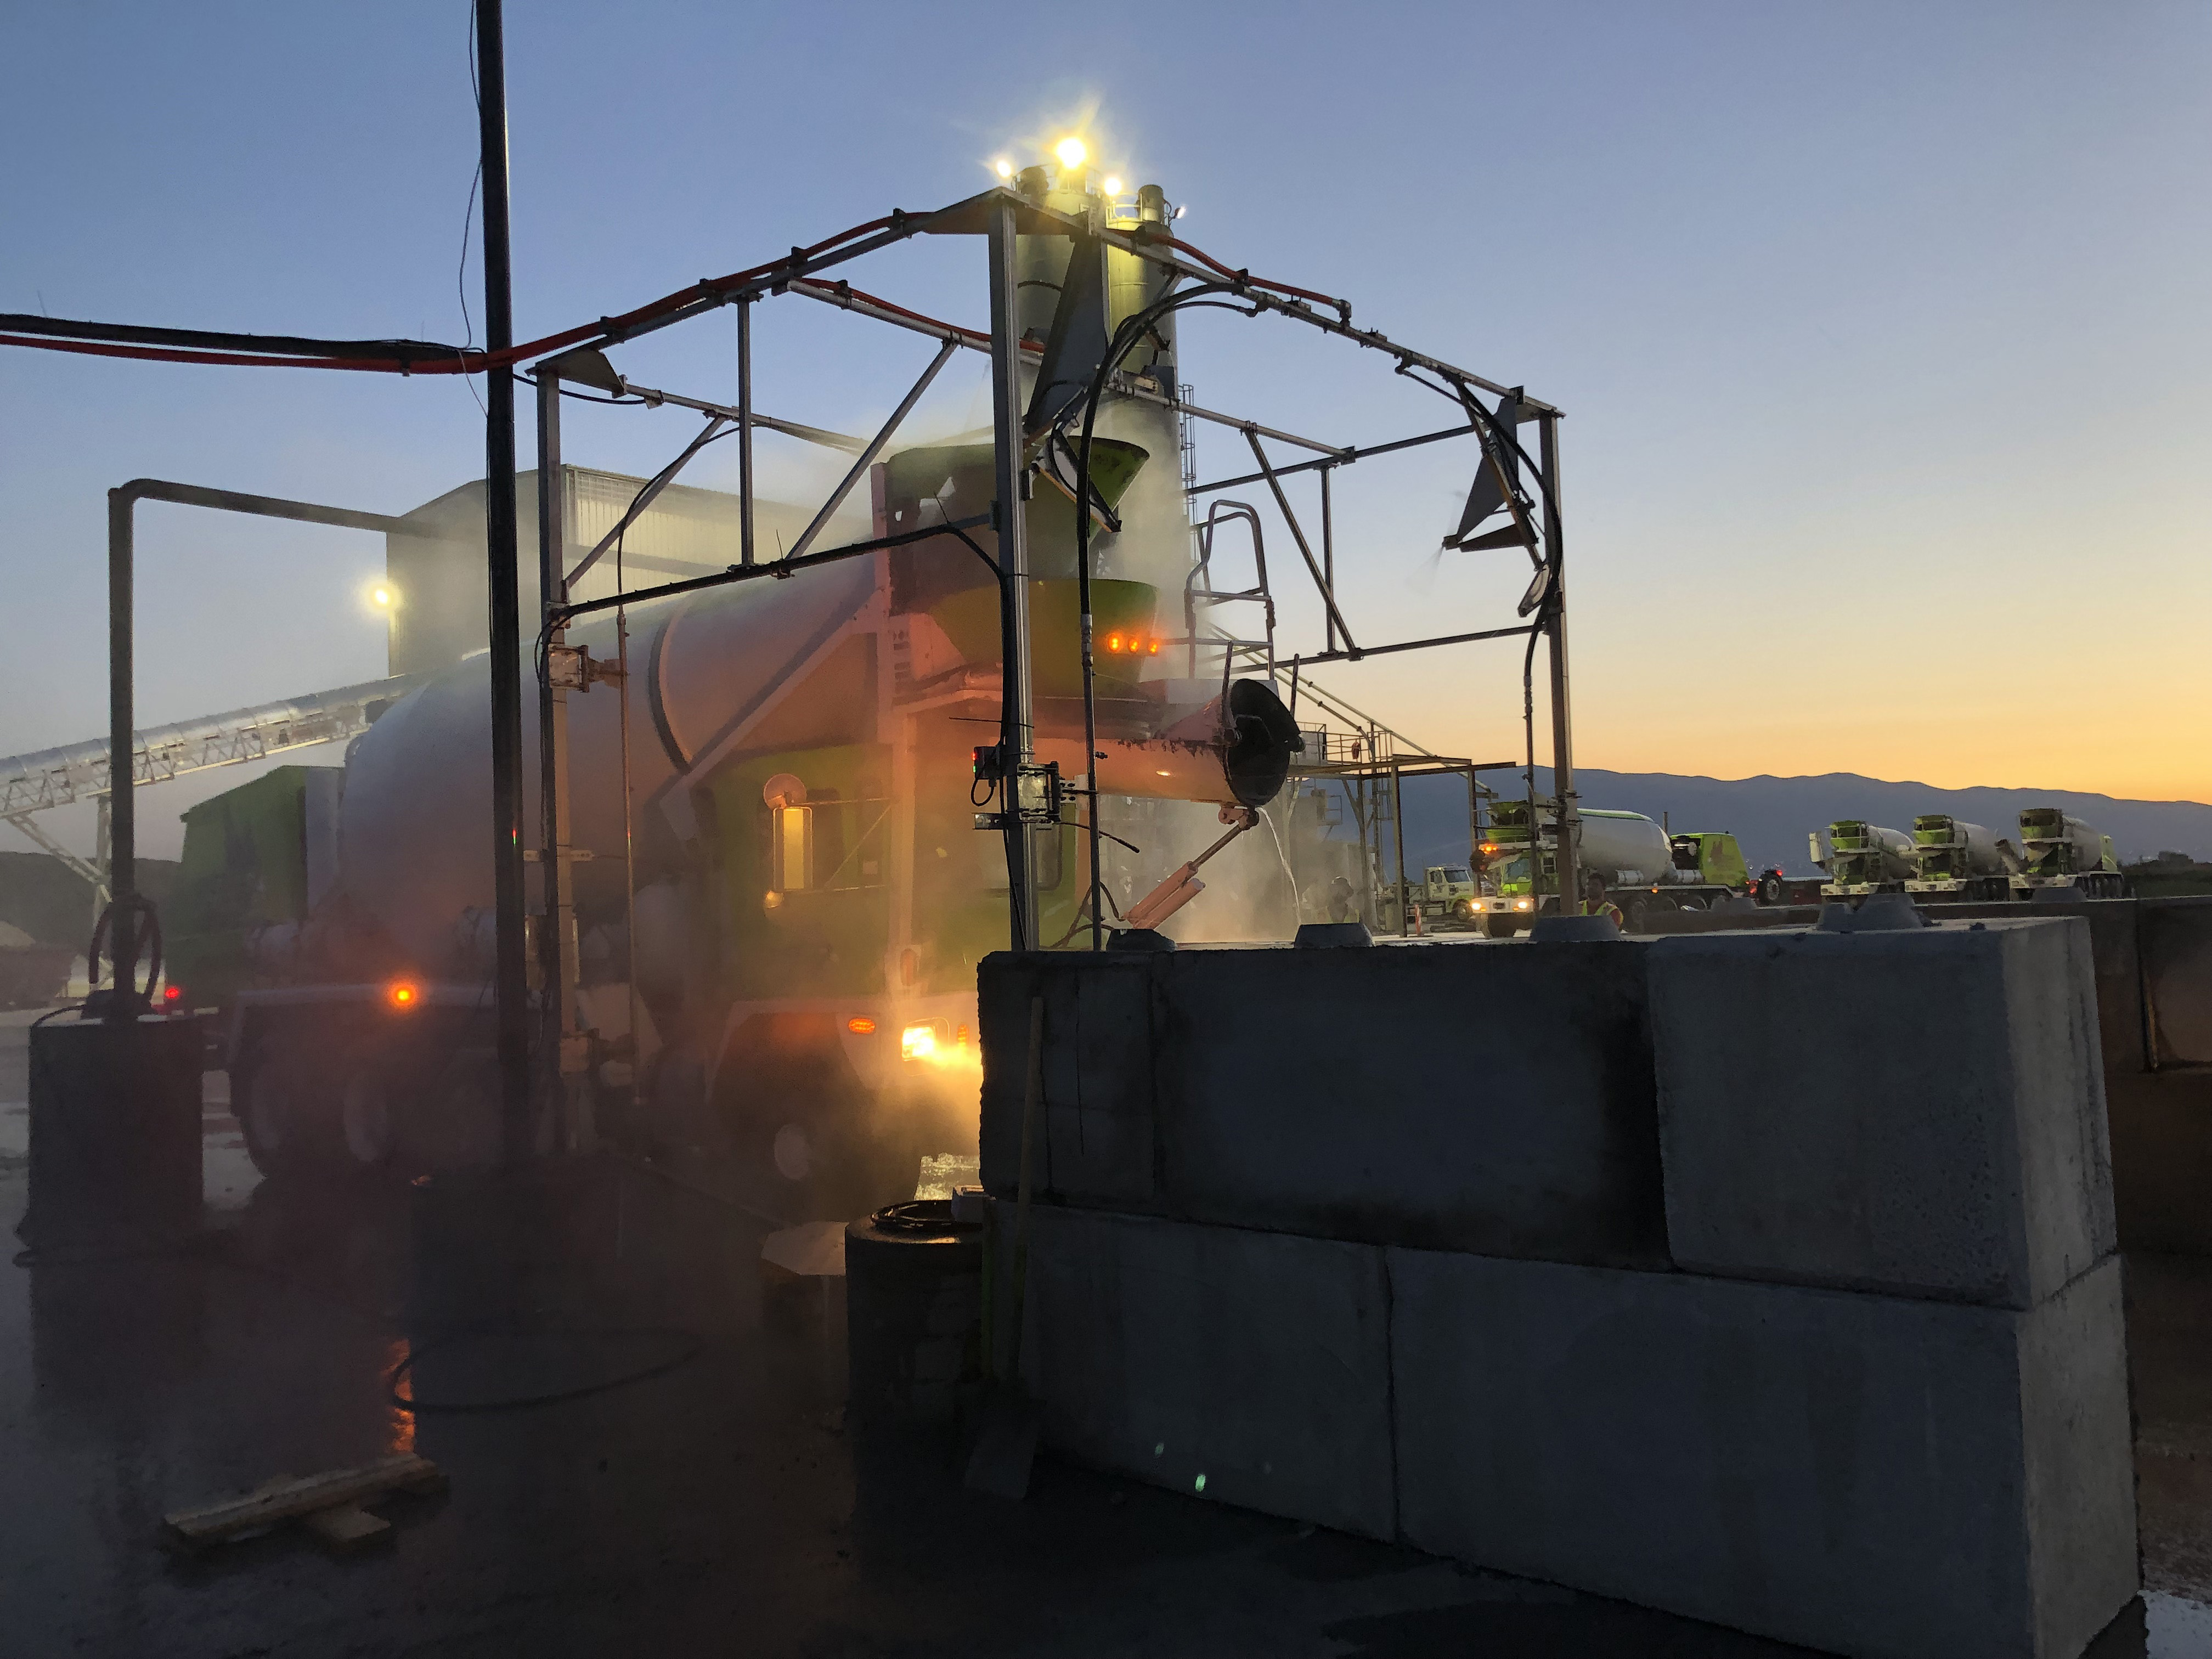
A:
1770,816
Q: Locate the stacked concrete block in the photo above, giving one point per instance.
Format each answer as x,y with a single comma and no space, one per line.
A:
1919,1117
1366,1237
1920,1112
1251,1368
1451,1094
1869,1475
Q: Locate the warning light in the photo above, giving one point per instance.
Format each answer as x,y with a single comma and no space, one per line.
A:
402,993
860,1026
173,994
1113,641
1156,647
960,1036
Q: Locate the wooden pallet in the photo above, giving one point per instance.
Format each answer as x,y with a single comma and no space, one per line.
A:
328,1507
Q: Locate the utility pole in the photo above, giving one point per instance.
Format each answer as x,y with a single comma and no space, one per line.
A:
511,980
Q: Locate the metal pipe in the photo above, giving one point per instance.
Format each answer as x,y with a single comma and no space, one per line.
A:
1563,736
1328,593
122,829
744,432
510,977
552,704
860,468
1141,247
1127,387
122,514
1398,831
1327,554
1013,559
1123,386
1419,644
1336,458
812,434
777,567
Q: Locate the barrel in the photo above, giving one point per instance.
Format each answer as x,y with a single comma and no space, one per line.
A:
913,1308
115,1133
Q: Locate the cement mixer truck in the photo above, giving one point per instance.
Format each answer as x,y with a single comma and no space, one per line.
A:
2057,853
1955,859
776,946
1627,859
1863,858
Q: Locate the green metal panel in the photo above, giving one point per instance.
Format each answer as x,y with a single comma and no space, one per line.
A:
245,866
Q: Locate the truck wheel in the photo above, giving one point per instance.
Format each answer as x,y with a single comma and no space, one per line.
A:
365,1119
281,1099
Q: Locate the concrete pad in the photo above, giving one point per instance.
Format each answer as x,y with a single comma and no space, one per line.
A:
1247,1368
1449,1094
1880,1476
1921,1113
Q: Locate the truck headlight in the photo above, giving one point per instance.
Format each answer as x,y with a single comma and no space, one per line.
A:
918,1042
1520,904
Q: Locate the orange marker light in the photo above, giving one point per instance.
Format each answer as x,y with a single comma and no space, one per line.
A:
860,1026
1113,641
402,993
1156,647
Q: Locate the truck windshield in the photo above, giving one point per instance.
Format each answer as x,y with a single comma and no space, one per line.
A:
1517,870
1458,877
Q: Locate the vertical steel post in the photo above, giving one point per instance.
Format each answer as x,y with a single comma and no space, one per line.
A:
512,975
123,811
1328,559
1013,559
744,431
1398,830
552,720
1562,727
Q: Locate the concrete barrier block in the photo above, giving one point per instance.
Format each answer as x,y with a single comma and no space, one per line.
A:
1251,1368
1095,1131
1881,1476
1919,1112
1459,1095
1451,1094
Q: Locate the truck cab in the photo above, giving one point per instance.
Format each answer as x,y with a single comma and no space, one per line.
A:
1447,892
1709,858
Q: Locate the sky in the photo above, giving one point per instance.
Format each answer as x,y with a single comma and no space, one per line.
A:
1880,327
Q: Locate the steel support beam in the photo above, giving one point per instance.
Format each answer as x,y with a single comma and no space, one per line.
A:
1321,582
644,498
511,973
1013,558
557,1004
121,515
744,431
860,468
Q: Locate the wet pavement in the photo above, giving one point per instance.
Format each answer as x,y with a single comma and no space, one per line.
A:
719,1506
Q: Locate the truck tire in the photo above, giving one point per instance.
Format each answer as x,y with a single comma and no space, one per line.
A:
283,1097
366,1128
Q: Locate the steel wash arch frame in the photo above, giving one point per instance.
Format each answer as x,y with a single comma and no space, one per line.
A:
1000,215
